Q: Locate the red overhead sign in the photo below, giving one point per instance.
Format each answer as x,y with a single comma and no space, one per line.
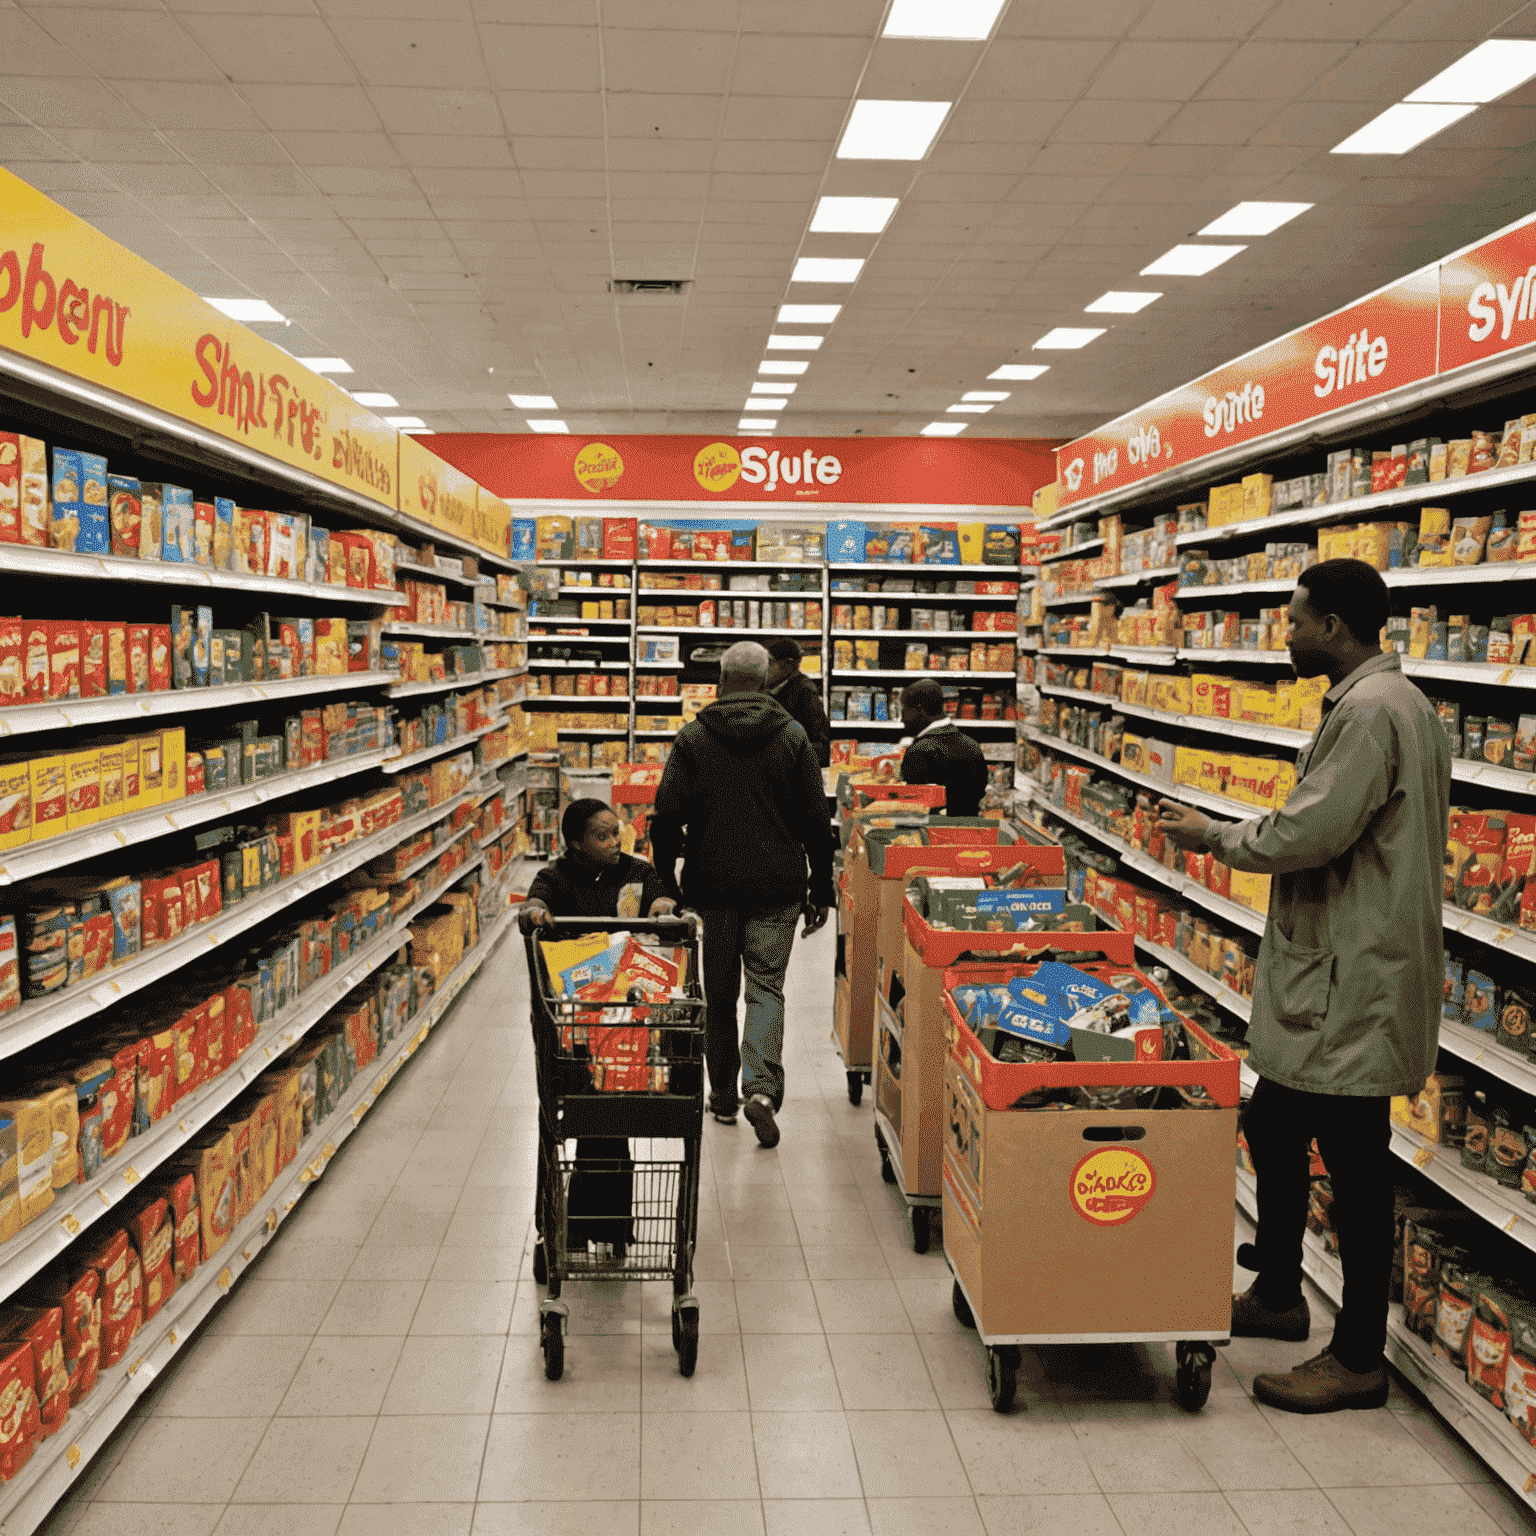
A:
1488,298
1375,345
833,471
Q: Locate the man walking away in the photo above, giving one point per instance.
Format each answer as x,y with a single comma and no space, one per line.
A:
1348,989
941,753
800,696
742,803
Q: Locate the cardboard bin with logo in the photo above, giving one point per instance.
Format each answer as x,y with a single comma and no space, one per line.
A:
1090,1226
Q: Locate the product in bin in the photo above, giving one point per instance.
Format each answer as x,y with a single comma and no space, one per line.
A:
43,1330
121,1296
1520,1375
20,1422
152,1232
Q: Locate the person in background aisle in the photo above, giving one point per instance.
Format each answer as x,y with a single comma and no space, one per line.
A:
1347,995
800,696
940,752
742,802
593,878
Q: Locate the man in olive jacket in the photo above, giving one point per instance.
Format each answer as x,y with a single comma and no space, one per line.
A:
1349,981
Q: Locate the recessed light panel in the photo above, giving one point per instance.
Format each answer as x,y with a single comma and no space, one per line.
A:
1012,371
1191,260
1067,338
985,394
944,428
852,215
795,343
534,402
1401,128
944,20
772,387
756,424
827,269
892,130
967,410
1118,303
325,364
547,425
248,311
1485,74
783,368
375,401
763,405
406,423
808,314
1254,219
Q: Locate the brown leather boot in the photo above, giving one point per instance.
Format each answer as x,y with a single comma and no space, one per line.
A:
1322,1385
1251,1319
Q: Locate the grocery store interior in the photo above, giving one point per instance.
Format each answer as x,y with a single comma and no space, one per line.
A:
488,367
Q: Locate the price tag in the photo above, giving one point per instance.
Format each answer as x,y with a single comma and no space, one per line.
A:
70,1225
359,1112
123,841
245,1253
72,1456
130,1175
224,1278
328,1151
271,1221
133,1370
174,1338
1512,1223
1423,1157
1503,934
1530,1484
185,1127
106,1199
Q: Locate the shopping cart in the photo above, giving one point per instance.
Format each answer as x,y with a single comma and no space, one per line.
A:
618,1071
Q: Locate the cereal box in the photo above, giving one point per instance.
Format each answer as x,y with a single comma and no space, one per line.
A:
95,535
10,488
64,526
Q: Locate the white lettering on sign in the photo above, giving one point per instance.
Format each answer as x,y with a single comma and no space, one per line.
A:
1145,446
1105,464
758,465
1233,409
1362,356
1513,304
1072,474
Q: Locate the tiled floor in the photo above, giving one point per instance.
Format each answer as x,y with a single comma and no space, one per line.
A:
378,1373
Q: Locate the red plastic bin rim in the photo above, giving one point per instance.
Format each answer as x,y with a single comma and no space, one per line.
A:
635,794
923,794
966,858
1001,1084
942,947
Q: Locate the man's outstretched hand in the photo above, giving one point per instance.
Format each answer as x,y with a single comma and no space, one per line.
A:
815,919
1182,824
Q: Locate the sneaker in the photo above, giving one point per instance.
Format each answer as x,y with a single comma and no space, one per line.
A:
724,1116
1251,1319
759,1113
1322,1385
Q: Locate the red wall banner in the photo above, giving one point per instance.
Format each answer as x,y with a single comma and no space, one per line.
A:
1487,303
832,471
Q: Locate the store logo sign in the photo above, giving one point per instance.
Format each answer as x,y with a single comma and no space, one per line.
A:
1363,356
760,467
74,312
1105,464
1233,409
717,467
1112,1186
1073,475
598,467
1145,446
1512,303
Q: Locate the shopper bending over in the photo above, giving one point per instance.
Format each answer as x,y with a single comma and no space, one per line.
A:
742,802
940,752
594,879
799,696
1347,992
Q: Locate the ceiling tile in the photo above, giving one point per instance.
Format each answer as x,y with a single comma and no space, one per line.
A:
663,61
1325,18
1468,19
356,149
403,109
228,148
1271,71
17,144
439,53
72,102
1037,71
132,45
246,48
534,58
1112,122
105,146
794,66
757,118
312,108
659,154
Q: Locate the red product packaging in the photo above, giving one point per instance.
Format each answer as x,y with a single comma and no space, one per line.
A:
259,546
159,657
13,672
157,1077
138,658
93,659
162,917
1220,878
43,1330
119,1095
122,1296
620,538
34,645
20,1425
63,658
181,1196
239,1022
97,939
76,1296
203,519
117,657
153,1235
357,552
10,488
216,1034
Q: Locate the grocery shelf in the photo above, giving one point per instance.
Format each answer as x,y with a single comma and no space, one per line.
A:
566,618
1069,599
1491,673
1480,1048
26,560
1258,658
1485,1430
468,680
991,635
937,572
72,714
1505,1209
436,573
667,734
729,629
1487,930
37,858
1221,588
656,666
578,666
836,596
443,632
915,675
589,730
27,1501
1146,655
1182,965
436,851
1138,578
1246,730
896,725
1431,576
741,567
586,564
1074,650
426,754
79,1206
586,700
41,1017
1076,552
1491,776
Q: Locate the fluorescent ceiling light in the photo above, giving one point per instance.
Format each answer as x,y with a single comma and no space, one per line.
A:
247,310
1254,219
375,401
827,269
808,314
891,130
852,215
944,428
1491,69
403,422
795,343
1020,371
547,425
1117,303
534,402
772,387
756,424
325,364
789,368
763,405
1191,260
953,20
985,394
1068,338
967,410
753,432
1401,128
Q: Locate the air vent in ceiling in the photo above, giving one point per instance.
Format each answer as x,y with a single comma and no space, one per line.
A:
652,290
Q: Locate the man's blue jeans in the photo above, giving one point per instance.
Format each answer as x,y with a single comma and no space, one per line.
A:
756,941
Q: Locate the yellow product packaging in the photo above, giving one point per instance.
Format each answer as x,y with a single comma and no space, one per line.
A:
111,780
1225,505
1458,457
1242,780
64,1113
1178,695
1264,777
10,1194
1250,890
50,799
1469,535
1133,752
1203,687
173,759
1186,766
1254,703
15,803
1285,782
1258,565
1373,544
1334,543
1258,495
82,785
561,955
1215,769
151,770
842,655
971,538
133,789
33,1119
1419,622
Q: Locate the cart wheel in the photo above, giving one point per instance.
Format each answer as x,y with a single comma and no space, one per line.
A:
855,1088
1002,1375
1192,1376
962,1308
921,1234
686,1323
540,1263
677,1331
887,1172
553,1345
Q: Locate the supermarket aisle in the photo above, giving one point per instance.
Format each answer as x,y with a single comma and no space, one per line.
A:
379,1372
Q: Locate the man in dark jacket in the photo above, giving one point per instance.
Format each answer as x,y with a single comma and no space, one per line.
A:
742,802
800,696
941,753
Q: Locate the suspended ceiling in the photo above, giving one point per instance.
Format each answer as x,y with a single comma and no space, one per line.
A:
440,191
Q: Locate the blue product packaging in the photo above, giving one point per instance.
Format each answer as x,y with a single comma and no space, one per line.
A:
941,544
845,542
64,529
1450,1008
176,530
879,706
1479,1003
202,648
1021,903
525,533
223,533
95,537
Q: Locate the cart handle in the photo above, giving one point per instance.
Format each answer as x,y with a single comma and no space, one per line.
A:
661,926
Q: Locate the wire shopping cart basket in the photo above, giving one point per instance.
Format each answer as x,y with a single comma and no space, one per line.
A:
609,1073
